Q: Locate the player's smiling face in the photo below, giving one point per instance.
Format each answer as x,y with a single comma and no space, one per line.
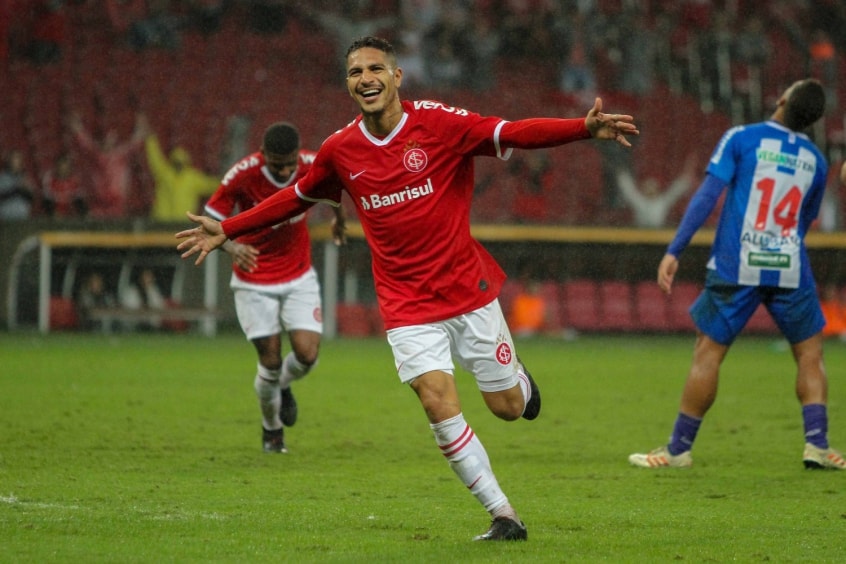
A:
372,80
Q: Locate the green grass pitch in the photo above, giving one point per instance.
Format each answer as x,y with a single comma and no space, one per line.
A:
146,448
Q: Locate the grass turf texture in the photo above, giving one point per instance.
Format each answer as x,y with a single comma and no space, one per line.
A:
146,448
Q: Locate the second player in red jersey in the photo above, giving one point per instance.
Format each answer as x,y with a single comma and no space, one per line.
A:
275,286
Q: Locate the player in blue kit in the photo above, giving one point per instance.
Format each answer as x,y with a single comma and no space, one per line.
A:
775,177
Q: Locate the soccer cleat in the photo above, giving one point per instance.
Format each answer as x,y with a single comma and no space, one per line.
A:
273,441
533,407
504,528
288,411
661,458
816,458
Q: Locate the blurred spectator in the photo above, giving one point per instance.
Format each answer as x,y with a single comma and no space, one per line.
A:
650,205
484,43
267,16
123,13
830,215
577,74
409,46
206,15
752,46
638,53
346,21
531,179
752,49
179,186
714,55
235,141
111,196
17,190
526,26
424,13
62,190
528,311
822,64
834,311
144,294
447,46
145,23
49,31
93,295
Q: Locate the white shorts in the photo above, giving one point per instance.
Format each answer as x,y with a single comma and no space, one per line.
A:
268,310
479,341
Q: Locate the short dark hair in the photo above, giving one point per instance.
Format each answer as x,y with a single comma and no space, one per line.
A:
375,43
805,104
281,138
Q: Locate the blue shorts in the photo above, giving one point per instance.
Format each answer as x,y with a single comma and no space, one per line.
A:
722,310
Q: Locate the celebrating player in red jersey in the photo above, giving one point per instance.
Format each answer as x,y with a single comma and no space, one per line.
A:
274,283
408,166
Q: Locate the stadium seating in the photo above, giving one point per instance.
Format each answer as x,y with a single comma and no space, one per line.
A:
581,305
681,298
616,312
651,306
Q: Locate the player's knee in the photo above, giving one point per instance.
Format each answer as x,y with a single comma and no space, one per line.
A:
270,363
306,356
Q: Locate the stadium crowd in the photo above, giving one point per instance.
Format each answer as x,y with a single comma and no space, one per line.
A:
111,61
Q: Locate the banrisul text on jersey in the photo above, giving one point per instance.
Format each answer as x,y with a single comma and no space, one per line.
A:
404,195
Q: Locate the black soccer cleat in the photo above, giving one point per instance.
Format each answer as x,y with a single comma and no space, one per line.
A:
533,407
504,529
273,441
288,411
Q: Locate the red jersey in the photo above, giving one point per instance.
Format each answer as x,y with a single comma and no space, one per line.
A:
284,248
412,190
64,192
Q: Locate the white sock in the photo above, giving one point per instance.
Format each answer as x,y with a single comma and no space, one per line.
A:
469,460
293,369
267,391
523,380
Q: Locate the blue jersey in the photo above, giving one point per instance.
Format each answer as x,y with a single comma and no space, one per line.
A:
776,179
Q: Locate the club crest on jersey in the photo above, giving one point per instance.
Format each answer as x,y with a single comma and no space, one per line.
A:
415,160
504,354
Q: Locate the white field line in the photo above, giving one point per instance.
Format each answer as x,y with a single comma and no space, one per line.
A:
178,515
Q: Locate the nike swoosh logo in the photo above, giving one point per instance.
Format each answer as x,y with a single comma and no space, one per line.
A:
356,175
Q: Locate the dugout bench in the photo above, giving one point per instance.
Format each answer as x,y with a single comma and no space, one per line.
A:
600,244
79,249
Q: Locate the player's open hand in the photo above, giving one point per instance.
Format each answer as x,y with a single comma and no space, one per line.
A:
245,257
667,272
615,127
203,239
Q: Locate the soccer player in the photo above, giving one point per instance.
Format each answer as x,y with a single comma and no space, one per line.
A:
274,283
408,166
775,178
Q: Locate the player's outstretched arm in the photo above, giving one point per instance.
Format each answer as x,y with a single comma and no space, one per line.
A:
203,239
667,272
614,127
